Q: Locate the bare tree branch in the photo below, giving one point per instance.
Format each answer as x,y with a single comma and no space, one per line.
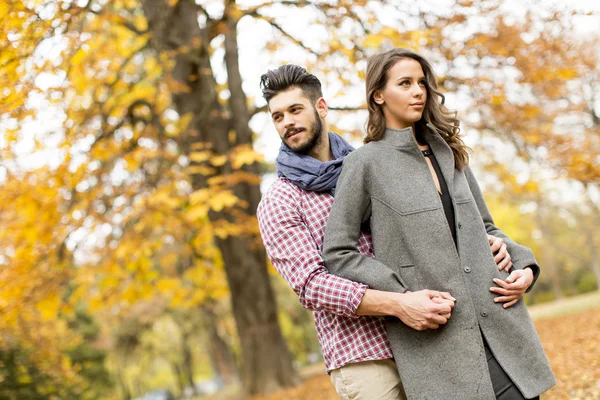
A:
288,35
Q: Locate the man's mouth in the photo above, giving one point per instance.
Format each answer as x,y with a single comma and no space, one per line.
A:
294,132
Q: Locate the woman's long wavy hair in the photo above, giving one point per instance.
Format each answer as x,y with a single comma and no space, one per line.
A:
435,112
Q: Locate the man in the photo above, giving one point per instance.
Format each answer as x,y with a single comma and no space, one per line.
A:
292,217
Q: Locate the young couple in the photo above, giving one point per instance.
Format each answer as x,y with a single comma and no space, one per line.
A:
415,292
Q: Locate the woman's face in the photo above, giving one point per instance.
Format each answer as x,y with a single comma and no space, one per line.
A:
404,95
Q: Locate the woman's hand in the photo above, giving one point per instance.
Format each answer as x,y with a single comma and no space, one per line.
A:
513,288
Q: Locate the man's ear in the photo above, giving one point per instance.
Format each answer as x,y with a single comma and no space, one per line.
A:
321,107
378,97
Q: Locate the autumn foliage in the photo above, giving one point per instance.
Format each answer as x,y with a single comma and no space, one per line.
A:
129,179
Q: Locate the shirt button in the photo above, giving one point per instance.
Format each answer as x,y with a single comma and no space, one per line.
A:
484,313
459,225
467,269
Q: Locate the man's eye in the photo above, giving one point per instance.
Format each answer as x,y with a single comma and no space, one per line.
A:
277,118
295,110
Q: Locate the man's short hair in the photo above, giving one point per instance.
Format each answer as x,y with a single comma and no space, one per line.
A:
287,77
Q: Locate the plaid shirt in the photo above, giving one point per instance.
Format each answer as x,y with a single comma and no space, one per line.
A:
292,225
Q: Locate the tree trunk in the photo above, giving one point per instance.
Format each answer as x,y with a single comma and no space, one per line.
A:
126,394
594,258
266,361
221,356
178,376
188,365
548,259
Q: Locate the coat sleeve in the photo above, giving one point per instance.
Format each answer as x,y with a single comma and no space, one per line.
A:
521,256
350,208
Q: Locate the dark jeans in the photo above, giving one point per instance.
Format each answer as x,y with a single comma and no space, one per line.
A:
504,388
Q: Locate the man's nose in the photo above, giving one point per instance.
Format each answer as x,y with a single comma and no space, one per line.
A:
288,121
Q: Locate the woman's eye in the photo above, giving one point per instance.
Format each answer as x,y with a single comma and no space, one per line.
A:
404,83
422,83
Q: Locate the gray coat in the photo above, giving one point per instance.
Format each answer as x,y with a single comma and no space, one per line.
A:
389,182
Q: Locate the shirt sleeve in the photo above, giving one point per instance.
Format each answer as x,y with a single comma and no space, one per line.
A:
296,257
340,251
521,256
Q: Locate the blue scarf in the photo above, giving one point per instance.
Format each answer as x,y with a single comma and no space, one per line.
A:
307,172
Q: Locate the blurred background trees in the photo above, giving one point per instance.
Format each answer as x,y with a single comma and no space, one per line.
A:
132,146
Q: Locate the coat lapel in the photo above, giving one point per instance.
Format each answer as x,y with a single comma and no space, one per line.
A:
444,156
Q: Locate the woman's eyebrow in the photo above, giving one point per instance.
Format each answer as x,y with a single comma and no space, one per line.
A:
409,77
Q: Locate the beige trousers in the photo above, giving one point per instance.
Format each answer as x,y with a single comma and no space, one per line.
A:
368,380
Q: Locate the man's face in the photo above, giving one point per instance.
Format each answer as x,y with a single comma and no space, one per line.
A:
296,120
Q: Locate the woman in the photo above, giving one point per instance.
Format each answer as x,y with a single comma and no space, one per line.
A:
429,222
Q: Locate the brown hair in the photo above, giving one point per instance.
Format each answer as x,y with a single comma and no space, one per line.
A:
287,77
435,112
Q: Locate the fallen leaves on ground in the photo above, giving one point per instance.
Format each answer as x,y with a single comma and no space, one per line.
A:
572,344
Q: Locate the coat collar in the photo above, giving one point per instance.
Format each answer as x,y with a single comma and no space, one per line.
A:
405,139
399,137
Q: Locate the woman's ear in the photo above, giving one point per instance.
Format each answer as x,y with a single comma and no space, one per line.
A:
378,97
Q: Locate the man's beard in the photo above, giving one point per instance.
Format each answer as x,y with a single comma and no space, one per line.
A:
314,139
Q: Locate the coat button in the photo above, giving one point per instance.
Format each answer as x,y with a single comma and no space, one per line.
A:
484,313
467,269
459,225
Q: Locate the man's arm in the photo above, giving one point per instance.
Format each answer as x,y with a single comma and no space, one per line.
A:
296,257
425,309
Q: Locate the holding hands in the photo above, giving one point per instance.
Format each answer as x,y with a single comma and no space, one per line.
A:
425,309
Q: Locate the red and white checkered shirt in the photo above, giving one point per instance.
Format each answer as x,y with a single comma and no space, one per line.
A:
292,225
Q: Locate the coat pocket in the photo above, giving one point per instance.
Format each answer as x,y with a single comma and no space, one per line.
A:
411,276
402,207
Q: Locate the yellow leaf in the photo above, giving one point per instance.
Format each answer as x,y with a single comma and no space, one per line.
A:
222,199
48,307
219,160
567,73
168,285
245,155
373,40
200,156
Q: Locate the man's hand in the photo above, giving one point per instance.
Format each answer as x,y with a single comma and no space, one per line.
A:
425,309
502,258
513,288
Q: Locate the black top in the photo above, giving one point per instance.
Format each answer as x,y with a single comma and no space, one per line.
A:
445,195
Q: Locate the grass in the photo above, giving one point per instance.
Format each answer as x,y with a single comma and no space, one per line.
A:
569,305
